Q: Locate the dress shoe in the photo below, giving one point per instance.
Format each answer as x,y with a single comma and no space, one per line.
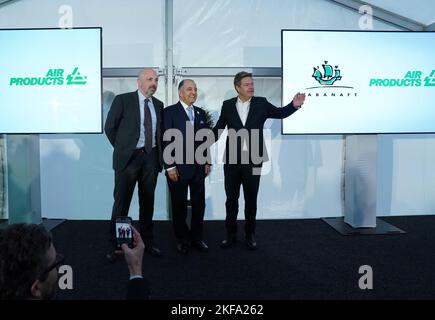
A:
150,249
200,245
250,242
182,248
229,241
111,257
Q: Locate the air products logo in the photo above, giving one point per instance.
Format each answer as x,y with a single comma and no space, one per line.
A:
412,78
53,77
75,77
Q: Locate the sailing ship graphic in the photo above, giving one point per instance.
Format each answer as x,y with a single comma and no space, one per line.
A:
329,75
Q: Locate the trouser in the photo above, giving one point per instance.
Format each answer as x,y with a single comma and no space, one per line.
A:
178,192
142,169
235,176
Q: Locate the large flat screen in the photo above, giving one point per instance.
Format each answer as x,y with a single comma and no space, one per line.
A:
359,82
50,81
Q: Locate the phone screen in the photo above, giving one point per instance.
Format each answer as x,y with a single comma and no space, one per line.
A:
124,233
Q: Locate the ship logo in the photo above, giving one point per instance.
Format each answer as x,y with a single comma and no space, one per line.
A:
329,75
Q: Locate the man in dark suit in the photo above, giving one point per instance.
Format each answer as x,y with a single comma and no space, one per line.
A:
133,127
244,116
184,168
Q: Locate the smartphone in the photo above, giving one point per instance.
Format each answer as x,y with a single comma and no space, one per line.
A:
123,231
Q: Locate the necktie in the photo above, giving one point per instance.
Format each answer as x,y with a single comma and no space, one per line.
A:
190,114
148,128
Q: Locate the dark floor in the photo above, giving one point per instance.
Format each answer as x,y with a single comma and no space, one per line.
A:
296,259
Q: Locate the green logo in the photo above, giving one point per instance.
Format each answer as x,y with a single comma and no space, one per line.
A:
329,75
326,79
53,77
412,78
75,77
430,80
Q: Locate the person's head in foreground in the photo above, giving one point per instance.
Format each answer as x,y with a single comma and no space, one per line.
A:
28,263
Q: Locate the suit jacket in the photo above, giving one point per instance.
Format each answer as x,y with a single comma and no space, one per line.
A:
138,289
259,111
175,117
123,127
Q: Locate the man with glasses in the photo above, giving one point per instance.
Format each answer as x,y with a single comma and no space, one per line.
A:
29,264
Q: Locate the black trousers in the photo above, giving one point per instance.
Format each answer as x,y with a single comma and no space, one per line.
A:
237,175
142,169
178,192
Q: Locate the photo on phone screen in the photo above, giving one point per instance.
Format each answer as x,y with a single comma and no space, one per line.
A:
124,233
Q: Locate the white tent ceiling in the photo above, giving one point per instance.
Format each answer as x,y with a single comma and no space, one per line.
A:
415,15
422,11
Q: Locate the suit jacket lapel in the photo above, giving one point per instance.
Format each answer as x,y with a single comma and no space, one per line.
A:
136,104
196,119
182,111
158,115
251,111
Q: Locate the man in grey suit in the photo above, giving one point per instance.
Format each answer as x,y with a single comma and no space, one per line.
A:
133,127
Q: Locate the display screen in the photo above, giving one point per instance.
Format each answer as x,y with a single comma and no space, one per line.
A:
50,81
359,82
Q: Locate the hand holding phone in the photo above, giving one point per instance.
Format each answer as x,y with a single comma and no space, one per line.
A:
134,255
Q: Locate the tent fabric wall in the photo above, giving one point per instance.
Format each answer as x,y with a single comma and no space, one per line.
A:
133,30
304,176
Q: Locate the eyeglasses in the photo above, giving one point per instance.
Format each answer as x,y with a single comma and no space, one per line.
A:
56,264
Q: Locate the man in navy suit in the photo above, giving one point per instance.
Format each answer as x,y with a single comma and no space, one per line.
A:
133,127
184,168
244,116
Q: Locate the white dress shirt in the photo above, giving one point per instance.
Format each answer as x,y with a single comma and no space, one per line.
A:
243,110
185,106
141,141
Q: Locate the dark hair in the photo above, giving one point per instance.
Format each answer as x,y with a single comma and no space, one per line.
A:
23,258
181,84
239,76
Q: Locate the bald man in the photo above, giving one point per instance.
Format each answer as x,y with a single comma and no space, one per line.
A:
133,127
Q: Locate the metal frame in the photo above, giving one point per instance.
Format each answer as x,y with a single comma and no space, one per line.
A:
169,41
228,71
193,72
6,2
128,72
4,168
430,27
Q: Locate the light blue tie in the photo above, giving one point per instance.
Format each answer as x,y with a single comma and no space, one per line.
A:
190,114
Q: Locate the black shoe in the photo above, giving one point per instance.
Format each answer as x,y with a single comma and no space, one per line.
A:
200,245
150,249
182,248
250,242
229,241
111,257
